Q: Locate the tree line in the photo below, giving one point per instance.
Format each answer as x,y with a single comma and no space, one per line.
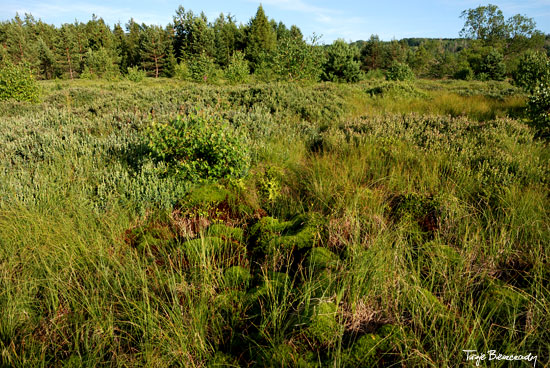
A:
192,47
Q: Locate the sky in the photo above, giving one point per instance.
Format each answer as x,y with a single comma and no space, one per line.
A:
330,19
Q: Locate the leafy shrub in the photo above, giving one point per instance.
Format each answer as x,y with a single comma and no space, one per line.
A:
340,64
203,69
294,59
264,71
181,71
198,147
465,73
17,82
400,71
539,110
237,70
374,74
493,65
533,69
100,64
135,74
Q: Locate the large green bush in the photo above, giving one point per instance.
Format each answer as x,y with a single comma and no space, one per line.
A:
400,72
493,66
237,70
100,63
340,64
533,69
18,83
198,148
181,71
539,110
135,74
294,59
203,69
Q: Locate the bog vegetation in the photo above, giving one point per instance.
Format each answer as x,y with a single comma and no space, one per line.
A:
228,201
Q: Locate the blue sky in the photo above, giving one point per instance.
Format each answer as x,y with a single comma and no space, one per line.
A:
350,20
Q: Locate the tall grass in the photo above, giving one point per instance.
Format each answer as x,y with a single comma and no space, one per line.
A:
372,230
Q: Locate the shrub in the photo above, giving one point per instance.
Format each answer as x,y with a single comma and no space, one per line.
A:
340,64
135,74
100,64
237,70
465,73
533,69
395,90
493,65
294,59
400,71
198,148
203,69
539,110
374,74
181,71
18,83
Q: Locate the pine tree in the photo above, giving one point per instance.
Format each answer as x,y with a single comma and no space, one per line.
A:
46,59
192,35
68,52
225,38
133,42
155,47
262,39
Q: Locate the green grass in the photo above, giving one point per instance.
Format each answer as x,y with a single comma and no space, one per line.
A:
395,228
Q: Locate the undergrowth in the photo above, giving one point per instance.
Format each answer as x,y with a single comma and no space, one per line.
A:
369,225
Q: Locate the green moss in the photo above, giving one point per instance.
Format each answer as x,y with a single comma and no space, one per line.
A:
207,194
271,236
274,284
302,239
267,227
230,302
227,232
237,277
502,303
320,258
220,359
145,238
323,326
369,349
286,355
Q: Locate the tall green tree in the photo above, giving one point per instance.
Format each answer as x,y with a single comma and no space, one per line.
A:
371,54
484,23
155,50
192,34
46,59
262,39
225,38
133,43
100,63
68,51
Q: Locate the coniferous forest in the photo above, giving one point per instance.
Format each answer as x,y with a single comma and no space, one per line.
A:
213,193
192,47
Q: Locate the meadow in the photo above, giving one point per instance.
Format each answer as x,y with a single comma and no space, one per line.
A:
391,224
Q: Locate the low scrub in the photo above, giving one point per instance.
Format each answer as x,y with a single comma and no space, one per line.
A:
17,83
198,148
